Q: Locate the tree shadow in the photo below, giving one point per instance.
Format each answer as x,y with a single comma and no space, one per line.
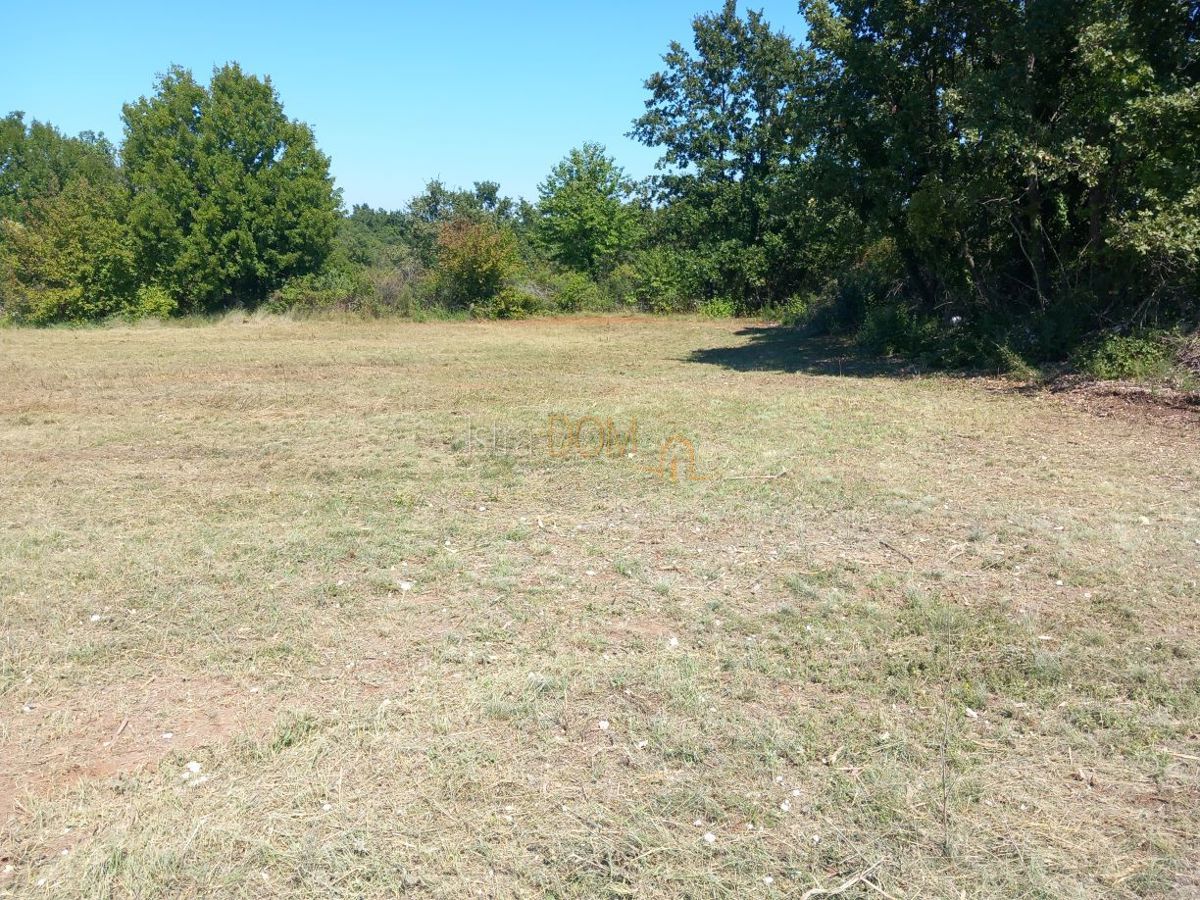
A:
778,348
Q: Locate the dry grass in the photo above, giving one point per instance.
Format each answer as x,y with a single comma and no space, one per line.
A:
953,650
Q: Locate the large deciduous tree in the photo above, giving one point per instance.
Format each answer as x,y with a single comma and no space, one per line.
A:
230,197
727,117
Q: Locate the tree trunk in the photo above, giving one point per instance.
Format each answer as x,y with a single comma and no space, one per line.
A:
1036,245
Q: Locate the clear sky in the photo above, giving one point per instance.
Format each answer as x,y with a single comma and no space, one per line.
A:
397,93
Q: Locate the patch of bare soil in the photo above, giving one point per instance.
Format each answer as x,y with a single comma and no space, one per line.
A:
101,733
1122,400
1119,398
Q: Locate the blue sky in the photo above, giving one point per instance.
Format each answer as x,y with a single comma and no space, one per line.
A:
397,93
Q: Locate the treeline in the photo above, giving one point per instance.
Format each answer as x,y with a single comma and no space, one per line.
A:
215,198
976,181
582,245
984,181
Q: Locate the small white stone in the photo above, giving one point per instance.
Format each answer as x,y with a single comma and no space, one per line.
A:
94,617
193,767
768,880
709,837
167,735
406,586
603,724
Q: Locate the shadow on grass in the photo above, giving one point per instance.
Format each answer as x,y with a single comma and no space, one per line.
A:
776,348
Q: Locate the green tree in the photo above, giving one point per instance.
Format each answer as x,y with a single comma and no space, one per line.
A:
728,119
583,218
429,211
70,259
1034,163
230,197
37,161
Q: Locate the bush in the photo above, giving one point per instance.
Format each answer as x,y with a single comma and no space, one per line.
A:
509,303
894,329
796,310
565,290
1116,356
395,291
327,290
151,302
476,261
719,308
653,280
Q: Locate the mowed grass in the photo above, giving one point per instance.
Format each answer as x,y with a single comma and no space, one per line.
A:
930,636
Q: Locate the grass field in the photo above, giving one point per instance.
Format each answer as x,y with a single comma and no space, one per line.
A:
333,609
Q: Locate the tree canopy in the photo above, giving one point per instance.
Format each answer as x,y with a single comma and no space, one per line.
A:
583,217
229,196
1029,170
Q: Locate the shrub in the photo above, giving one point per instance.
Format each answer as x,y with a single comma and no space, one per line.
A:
796,310
564,290
151,302
894,329
326,290
719,308
1114,356
476,261
653,280
395,291
509,303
